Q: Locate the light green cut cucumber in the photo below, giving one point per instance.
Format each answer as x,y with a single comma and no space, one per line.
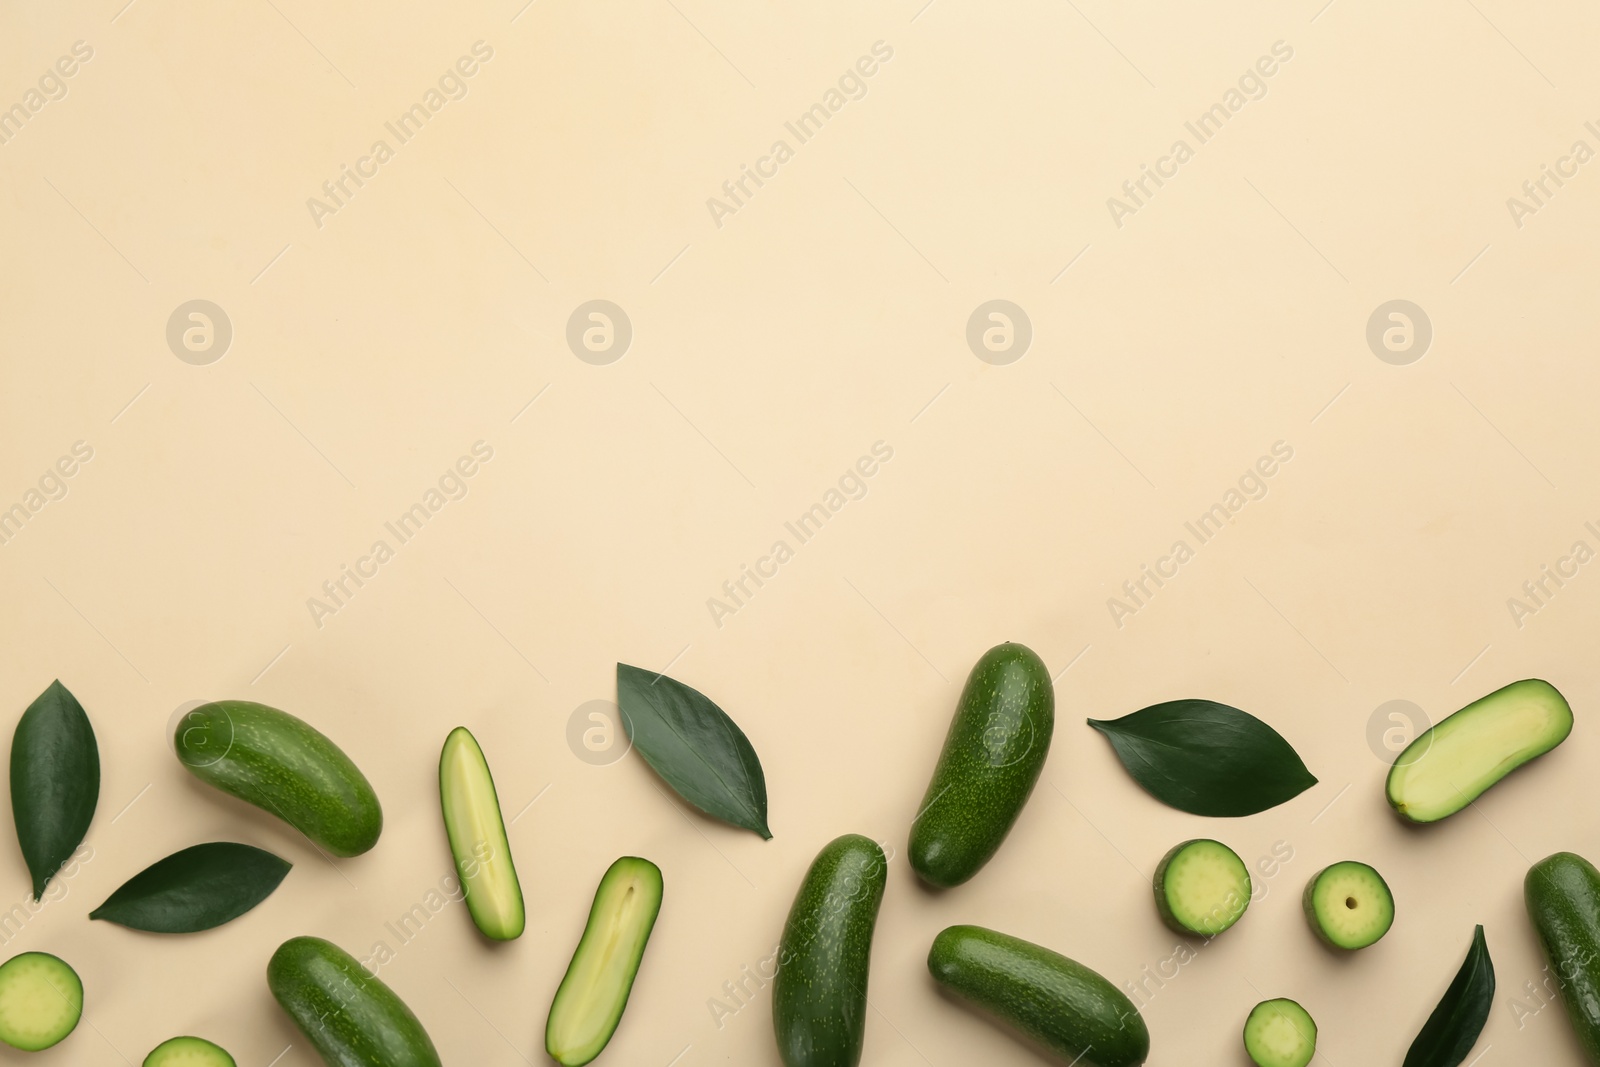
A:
188,1052
1349,905
1280,1033
477,833
41,1001
1202,887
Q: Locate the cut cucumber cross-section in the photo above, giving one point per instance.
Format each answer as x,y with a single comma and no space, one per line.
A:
1280,1033
1349,905
1202,887
188,1052
1448,767
477,833
41,1001
589,1003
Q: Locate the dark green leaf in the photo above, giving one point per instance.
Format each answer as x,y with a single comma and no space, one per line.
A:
55,781
693,745
1207,758
195,889
1455,1024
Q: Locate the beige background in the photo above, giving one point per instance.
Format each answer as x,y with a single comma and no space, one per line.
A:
827,314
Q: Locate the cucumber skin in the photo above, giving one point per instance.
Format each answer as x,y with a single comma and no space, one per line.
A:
1057,1001
351,1017
992,757
819,995
284,766
1562,893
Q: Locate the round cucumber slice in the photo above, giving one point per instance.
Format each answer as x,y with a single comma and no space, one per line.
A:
1349,905
41,1001
188,1052
1202,887
1280,1033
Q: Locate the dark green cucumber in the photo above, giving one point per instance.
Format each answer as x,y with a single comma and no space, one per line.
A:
992,757
819,995
351,1018
1563,897
1058,1002
282,765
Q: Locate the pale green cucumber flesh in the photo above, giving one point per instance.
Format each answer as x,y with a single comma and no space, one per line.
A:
1056,1001
284,766
188,1052
1348,905
992,756
1280,1033
477,832
1451,765
1202,887
819,993
41,1001
590,1001
349,1016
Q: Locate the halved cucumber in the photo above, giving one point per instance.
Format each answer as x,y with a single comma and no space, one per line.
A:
477,833
1448,767
1202,887
1349,905
589,1004
188,1052
1280,1033
41,1001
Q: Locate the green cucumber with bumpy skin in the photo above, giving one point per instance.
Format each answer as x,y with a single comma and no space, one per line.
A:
477,834
996,747
188,1052
282,765
41,1001
819,995
349,1016
1562,893
1058,1002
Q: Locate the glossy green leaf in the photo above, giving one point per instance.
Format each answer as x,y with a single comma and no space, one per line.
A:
1455,1024
55,781
195,889
1207,758
695,748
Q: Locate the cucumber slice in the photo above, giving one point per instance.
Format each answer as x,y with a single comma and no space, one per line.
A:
589,1004
477,833
1349,905
1280,1033
41,1001
188,1052
1448,767
1202,887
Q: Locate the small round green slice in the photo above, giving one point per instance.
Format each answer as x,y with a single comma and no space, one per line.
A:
41,1001
1202,887
1349,905
188,1052
1280,1033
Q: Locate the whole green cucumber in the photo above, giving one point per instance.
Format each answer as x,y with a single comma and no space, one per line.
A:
992,757
352,1018
1056,1001
282,765
819,995
1563,897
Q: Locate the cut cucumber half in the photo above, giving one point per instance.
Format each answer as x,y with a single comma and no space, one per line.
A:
477,833
1448,767
1280,1033
589,1004
1349,905
188,1052
1202,887
41,1001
